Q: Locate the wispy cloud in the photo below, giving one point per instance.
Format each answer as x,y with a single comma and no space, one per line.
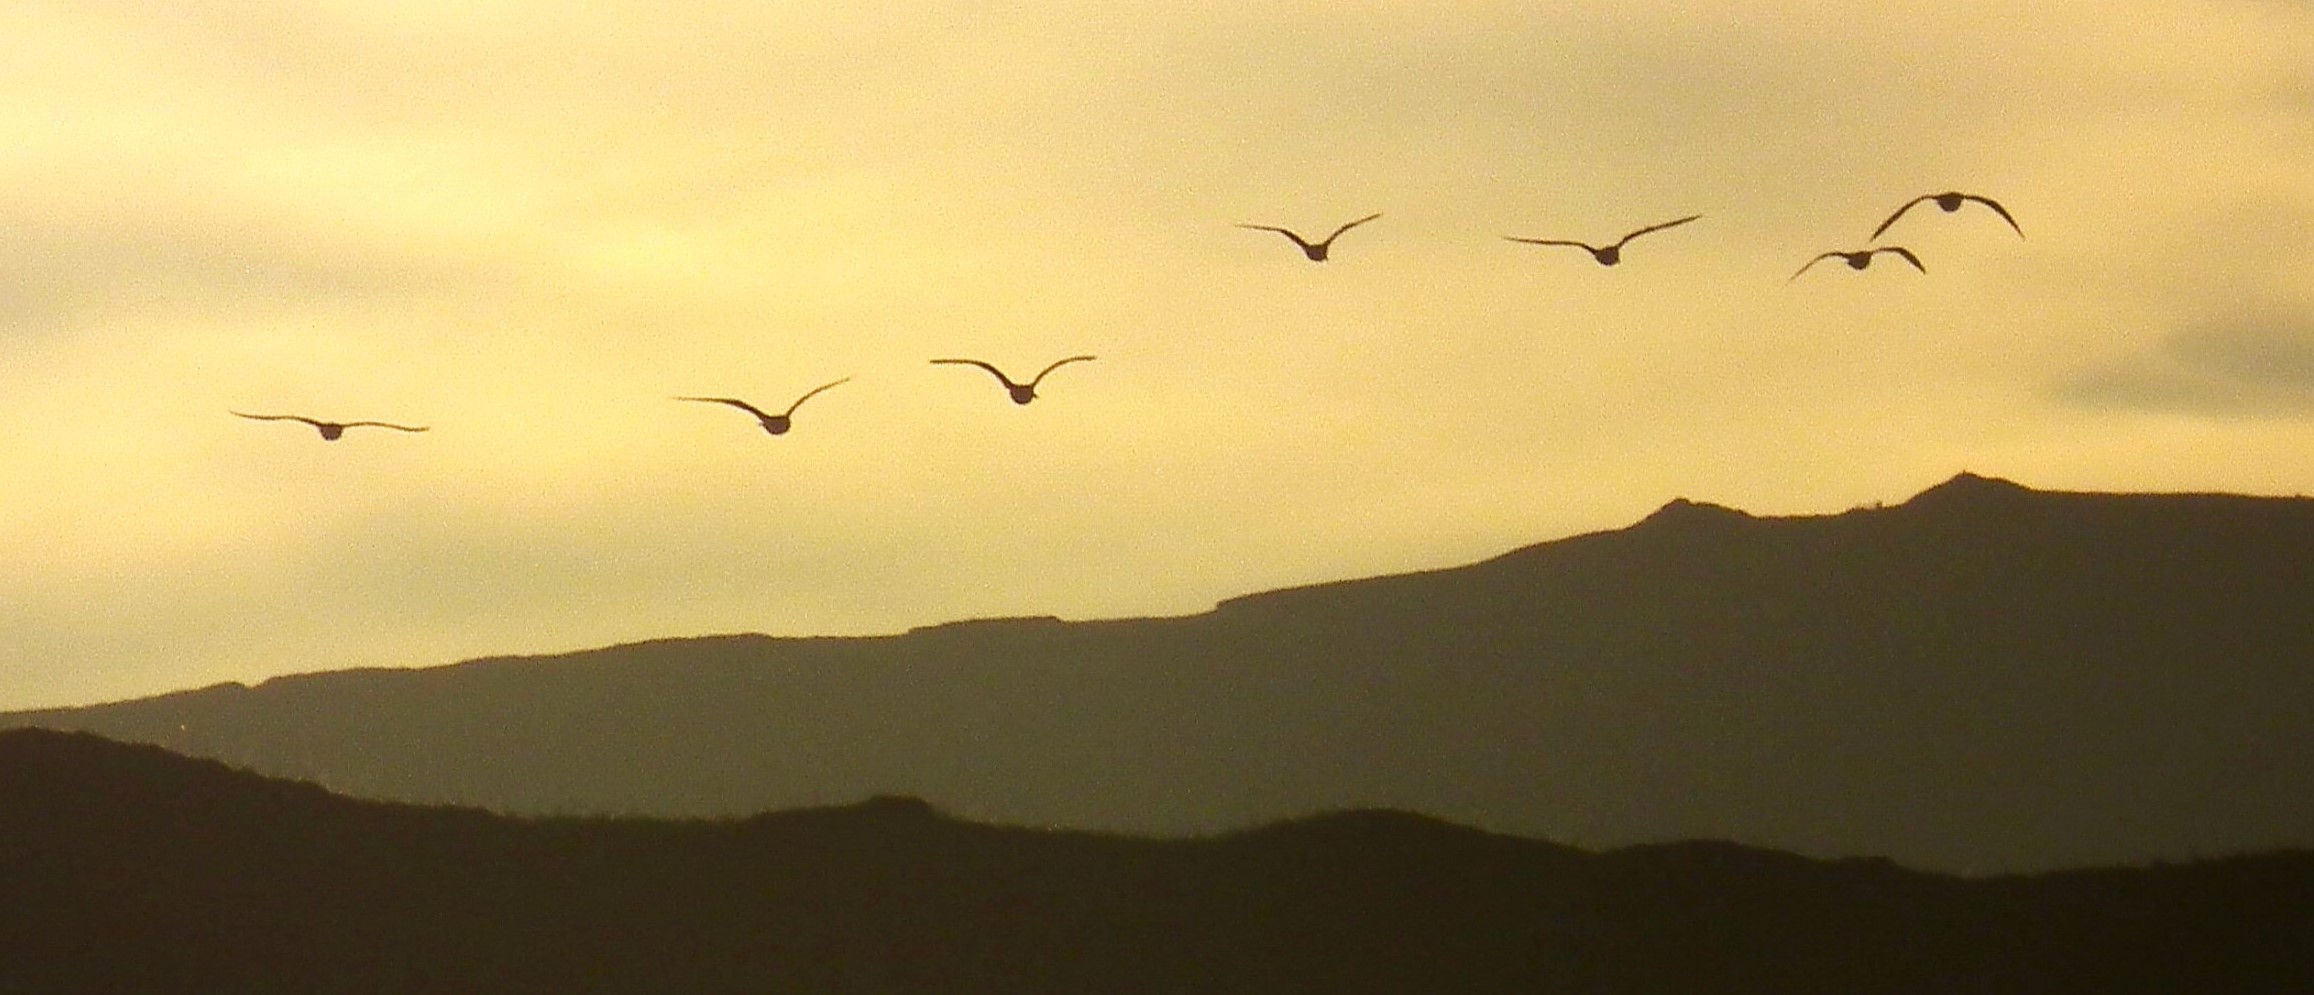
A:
2255,363
75,272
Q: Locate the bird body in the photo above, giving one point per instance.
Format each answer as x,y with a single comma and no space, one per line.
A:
1606,255
775,424
1317,251
1949,202
331,431
1022,393
1862,258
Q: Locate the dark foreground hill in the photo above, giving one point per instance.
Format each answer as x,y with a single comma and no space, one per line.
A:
1986,677
128,869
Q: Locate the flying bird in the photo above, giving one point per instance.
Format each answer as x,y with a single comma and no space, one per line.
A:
1863,258
775,424
1022,393
1950,201
331,430
1315,250
1607,255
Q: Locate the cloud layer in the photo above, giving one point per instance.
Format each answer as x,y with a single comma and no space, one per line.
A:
530,225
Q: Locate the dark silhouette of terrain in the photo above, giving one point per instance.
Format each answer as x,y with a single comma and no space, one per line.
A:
1983,678
128,869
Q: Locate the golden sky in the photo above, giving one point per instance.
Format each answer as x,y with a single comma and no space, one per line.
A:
529,225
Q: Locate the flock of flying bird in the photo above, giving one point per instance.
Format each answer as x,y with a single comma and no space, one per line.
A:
1610,254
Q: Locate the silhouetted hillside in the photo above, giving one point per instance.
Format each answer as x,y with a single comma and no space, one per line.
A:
1985,677
132,870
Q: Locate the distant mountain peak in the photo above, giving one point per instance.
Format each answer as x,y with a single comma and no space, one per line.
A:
1681,511
1971,487
1007,623
897,807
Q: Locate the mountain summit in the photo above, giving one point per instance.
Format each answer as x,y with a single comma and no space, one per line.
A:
1966,489
1681,511
1985,677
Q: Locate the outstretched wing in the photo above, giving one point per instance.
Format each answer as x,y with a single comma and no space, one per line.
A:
1040,376
1553,241
386,424
1660,227
1997,209
1287,232
733,401
301,418
993,371
1796,273
1906,253
1908,205
1338,231
808,395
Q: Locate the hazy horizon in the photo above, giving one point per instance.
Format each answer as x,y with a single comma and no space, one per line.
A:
530,226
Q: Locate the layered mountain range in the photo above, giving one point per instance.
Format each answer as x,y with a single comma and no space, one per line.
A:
1983,678
129,869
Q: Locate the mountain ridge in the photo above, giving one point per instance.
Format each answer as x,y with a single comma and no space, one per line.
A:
1983,677
134,869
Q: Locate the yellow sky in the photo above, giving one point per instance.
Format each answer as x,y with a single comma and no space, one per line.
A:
529,225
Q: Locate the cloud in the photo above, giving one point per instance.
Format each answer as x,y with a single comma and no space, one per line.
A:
530,224
65,272
2257,363
2297,97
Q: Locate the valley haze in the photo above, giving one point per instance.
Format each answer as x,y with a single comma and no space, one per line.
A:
1983,678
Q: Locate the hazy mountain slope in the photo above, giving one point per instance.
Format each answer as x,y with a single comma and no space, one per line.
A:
1985,677
134,870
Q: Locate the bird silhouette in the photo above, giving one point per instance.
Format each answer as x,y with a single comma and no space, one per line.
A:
775,424
1950,201
1863,258
1315,250
1022,393
1607,255
331,430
